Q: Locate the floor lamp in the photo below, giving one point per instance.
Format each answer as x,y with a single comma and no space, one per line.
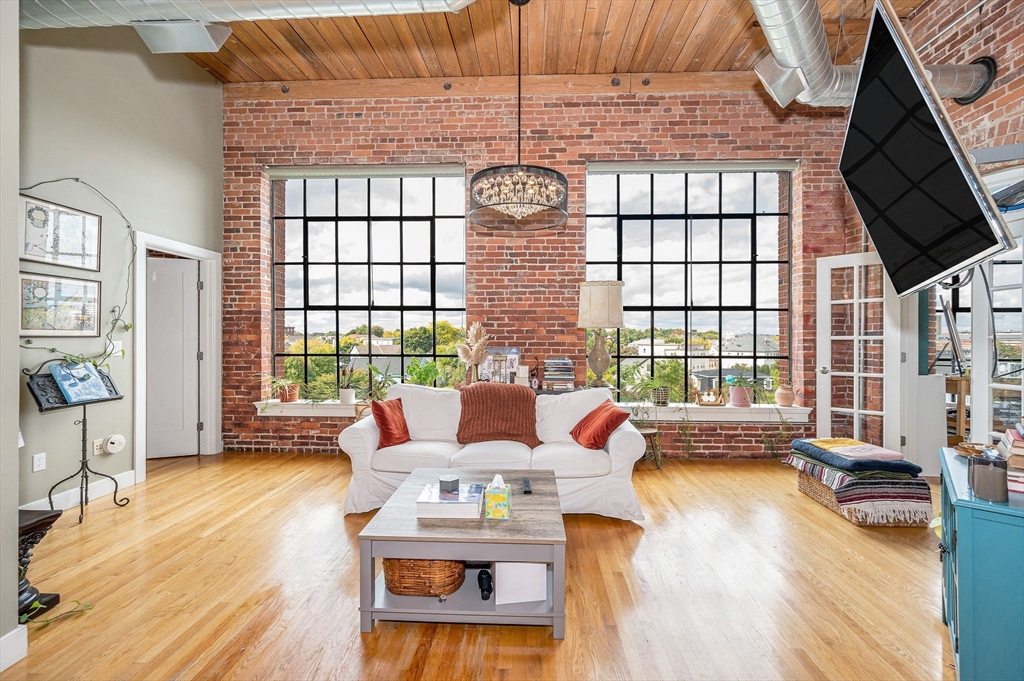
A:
600,309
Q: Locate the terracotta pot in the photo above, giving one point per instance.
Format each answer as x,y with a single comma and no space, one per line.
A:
347,395
288,393
739,396
784,395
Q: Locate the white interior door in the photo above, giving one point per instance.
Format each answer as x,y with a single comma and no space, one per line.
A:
858,386
172,360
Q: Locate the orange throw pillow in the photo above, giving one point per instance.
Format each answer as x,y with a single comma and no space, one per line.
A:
390,421
594,429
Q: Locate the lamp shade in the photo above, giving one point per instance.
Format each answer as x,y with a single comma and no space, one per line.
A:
600,305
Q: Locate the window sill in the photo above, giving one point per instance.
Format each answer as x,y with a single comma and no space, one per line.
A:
304,408
755,413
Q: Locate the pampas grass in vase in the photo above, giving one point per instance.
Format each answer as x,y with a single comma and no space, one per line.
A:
474,351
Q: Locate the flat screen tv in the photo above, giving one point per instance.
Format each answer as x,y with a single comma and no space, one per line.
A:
919,194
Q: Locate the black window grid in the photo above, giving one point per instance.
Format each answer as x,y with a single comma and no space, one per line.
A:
435,311
686,310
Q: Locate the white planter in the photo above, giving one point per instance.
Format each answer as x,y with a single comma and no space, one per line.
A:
347,395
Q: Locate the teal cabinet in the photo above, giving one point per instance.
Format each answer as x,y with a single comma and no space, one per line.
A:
983,577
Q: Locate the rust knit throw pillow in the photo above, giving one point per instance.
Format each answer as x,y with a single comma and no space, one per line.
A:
498,411
595,428
390,421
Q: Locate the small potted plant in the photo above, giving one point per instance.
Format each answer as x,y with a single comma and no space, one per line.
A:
380,381
347,386
741,388
285,389
421,373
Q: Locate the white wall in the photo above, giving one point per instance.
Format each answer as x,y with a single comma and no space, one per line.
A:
146,130
13,642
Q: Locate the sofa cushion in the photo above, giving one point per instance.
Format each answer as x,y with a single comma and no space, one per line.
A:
498,411
494,454
390,422
431,413
570,460
593,429
405,457
557,415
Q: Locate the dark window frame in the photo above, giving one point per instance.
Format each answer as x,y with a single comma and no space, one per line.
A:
401,309
688,309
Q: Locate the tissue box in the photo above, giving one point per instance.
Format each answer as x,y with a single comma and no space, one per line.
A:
498,503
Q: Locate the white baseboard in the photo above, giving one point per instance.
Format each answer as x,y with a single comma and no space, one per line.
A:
98,488
13,646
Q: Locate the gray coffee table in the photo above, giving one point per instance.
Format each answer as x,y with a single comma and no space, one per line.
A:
533,534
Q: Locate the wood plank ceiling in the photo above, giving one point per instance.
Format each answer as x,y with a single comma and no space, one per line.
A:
560,37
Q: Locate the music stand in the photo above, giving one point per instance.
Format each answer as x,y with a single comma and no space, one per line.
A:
49,397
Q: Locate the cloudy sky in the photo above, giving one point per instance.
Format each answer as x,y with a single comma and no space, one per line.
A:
401,247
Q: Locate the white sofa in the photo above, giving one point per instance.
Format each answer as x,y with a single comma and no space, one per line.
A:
589,481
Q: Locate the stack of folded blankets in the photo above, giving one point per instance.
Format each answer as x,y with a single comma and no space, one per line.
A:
864,483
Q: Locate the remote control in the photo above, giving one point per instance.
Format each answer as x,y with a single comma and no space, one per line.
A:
526,486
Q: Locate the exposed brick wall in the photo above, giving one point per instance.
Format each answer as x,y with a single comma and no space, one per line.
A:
997,31
729,440
524,290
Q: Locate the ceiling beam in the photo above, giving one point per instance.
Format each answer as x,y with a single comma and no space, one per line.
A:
699,81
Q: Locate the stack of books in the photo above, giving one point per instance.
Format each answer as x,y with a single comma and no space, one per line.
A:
559,374
432,503
1011,445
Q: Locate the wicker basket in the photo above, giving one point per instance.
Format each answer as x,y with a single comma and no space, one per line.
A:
825,496
409,577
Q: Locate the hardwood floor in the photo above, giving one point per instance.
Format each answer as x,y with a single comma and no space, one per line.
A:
243,567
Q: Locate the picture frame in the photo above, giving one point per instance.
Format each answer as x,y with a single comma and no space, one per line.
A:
59,306
58,235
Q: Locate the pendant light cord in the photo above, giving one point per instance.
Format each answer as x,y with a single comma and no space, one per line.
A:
519,92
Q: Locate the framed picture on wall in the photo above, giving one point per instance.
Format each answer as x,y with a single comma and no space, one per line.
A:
59,306
58,235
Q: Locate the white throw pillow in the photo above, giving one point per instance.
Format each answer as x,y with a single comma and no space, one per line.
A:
430,413
557,415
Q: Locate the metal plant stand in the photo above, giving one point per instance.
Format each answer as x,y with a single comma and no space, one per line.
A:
49,398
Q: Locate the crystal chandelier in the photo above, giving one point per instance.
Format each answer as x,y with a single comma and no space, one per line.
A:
518,198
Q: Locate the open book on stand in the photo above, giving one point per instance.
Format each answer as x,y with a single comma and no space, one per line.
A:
468,504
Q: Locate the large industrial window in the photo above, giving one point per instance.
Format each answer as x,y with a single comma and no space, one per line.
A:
704,258
368,271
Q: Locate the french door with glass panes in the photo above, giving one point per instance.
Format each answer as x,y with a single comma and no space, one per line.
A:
858,386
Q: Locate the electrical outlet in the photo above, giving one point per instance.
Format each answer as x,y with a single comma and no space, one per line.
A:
39,462
97,447
116,349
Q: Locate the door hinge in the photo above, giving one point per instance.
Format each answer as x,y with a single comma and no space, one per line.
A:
199,355
954,540
199,285
199,426
956,644
903,358
903,438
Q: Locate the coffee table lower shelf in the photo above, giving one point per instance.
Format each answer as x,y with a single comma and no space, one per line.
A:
464,606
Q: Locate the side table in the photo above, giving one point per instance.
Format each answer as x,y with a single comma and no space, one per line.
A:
32,527
651,436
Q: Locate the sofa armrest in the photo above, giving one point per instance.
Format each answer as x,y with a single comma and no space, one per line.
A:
360,441
625,446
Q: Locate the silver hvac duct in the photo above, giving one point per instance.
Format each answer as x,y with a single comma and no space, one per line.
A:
800,66
86,13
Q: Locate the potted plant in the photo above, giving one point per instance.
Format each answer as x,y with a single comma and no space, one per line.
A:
380,381
656,390
285,389
741,389
421,373
347,381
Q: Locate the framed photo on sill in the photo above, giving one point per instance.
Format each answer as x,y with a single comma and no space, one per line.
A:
58,235
59,306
